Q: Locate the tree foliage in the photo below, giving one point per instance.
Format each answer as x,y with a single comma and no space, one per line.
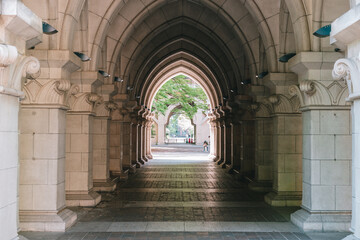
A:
180,90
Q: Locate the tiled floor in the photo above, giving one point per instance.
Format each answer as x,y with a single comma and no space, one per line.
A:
180,195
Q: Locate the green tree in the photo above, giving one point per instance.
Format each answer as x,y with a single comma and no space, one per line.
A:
180,90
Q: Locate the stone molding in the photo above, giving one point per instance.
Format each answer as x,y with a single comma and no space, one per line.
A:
13,68
348,69
84,102
105,108
49,93
280,104
314,93
261,110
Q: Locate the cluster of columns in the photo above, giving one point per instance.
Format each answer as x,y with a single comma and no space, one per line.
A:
232,132
130,133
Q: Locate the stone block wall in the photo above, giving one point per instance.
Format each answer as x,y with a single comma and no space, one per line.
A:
263,149
100,149
79,152
114,151
287,153
9,166
327,160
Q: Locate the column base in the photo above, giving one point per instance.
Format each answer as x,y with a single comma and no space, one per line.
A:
47,221
211,157
150,156
283,199
123,175
322,221
83,199
131,168
138,164
105,186
141,161
220,162
260,186
229,168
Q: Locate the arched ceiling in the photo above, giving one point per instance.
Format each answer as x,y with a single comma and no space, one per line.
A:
221,34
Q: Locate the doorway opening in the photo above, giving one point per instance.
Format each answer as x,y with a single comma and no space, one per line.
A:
180,106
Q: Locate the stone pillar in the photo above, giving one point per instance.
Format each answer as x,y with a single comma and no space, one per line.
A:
125,142
42,150
221,140
247,157
148,136
213,137
79,146
134,152
263,150
9,110
345,35
236,143
116,140
326,156
12,65
101,133
227,142
79,160
287,149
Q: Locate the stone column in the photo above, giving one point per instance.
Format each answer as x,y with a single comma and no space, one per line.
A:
287,149
125,141
79,142
134,152
236,143
79,160
345,35
148,136
42,149
213,137
140,140
101,135
263,149
116,145
326,156
247,158
12,67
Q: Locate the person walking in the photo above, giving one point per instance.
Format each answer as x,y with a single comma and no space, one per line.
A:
205,145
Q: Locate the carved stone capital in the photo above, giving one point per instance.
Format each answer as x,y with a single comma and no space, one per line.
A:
278,104
8,55
84,102
51,92
104,109
348,69
261,110
316,94
13,68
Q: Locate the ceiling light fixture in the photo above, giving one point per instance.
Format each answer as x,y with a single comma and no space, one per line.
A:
48,29
285,58
82,56
323,32
118,79
262,75
105,74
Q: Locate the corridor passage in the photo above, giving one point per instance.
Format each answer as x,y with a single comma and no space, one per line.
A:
180,195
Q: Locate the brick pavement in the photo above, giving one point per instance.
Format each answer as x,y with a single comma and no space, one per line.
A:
183,200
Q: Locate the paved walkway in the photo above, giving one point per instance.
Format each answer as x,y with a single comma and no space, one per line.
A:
181,195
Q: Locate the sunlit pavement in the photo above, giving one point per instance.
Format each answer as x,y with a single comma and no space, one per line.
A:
180,194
